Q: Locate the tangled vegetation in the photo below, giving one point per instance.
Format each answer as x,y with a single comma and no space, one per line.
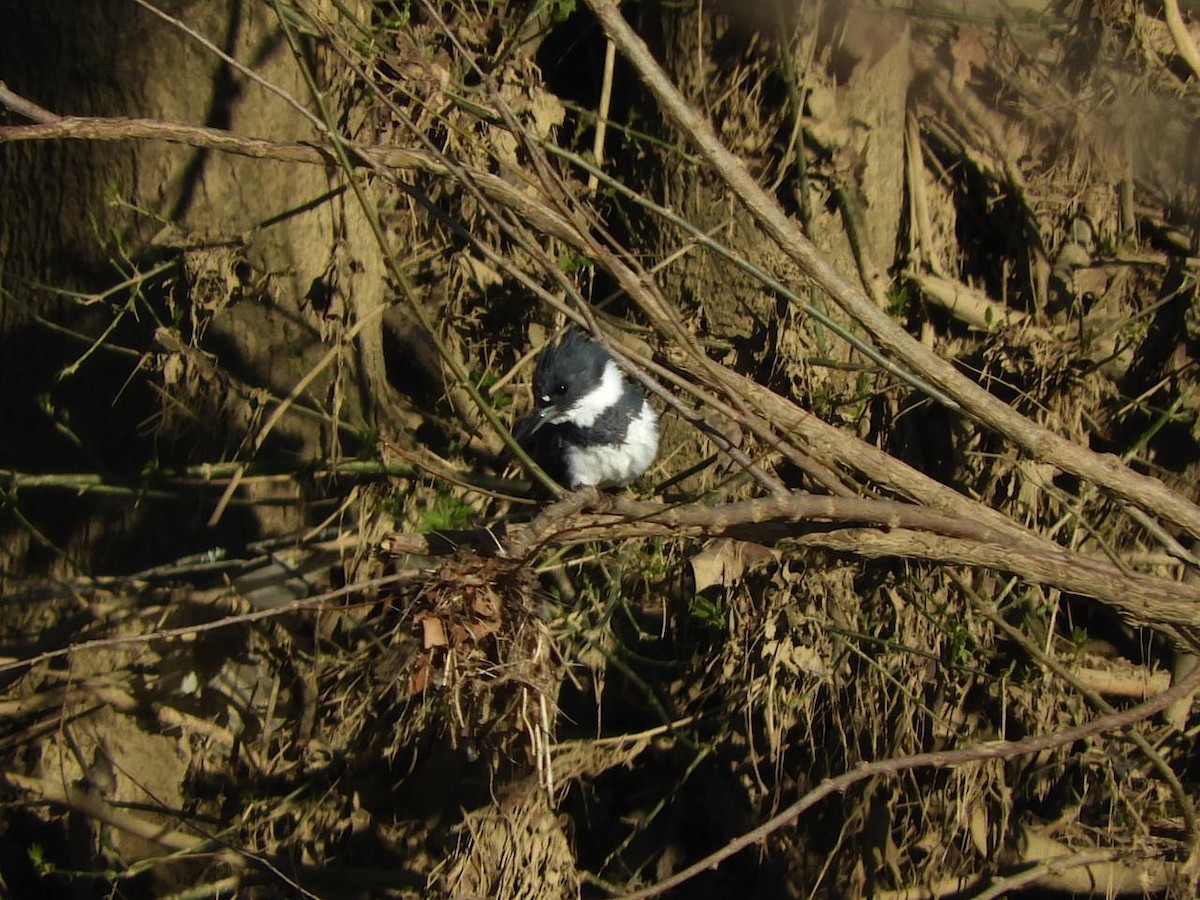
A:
908,604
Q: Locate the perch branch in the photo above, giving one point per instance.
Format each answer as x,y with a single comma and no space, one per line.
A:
861,527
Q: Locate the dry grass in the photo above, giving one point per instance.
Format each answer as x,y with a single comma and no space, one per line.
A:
883,550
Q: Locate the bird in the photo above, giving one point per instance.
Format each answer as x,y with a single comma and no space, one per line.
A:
591,425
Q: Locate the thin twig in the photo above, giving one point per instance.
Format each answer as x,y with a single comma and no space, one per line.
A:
610,56
26,108
128,640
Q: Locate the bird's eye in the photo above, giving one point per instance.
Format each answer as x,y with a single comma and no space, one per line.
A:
560,388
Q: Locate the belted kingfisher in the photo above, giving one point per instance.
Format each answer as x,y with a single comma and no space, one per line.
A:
591,425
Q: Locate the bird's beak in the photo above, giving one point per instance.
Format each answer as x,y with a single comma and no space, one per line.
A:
538,418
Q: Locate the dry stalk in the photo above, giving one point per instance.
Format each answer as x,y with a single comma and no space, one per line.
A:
308,603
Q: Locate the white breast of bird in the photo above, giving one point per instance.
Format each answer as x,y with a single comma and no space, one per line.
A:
615,465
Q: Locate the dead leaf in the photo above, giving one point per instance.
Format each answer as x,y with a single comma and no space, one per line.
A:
420,678
477,631
486,605
433,631
725,561
718,564
968,54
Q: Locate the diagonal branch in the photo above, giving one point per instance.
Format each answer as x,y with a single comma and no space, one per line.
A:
938,760
1039,442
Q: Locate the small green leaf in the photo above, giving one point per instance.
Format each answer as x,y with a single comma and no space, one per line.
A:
708,611
570,262
561,10
446,513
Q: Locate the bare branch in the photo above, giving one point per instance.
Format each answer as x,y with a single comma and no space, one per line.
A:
939,760
1104,470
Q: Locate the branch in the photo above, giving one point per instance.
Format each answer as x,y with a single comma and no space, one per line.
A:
1039,442
23,107
1183,39
938,760
866,528
384,159
94,806
99,128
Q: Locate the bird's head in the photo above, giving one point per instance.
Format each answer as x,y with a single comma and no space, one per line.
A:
573,376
